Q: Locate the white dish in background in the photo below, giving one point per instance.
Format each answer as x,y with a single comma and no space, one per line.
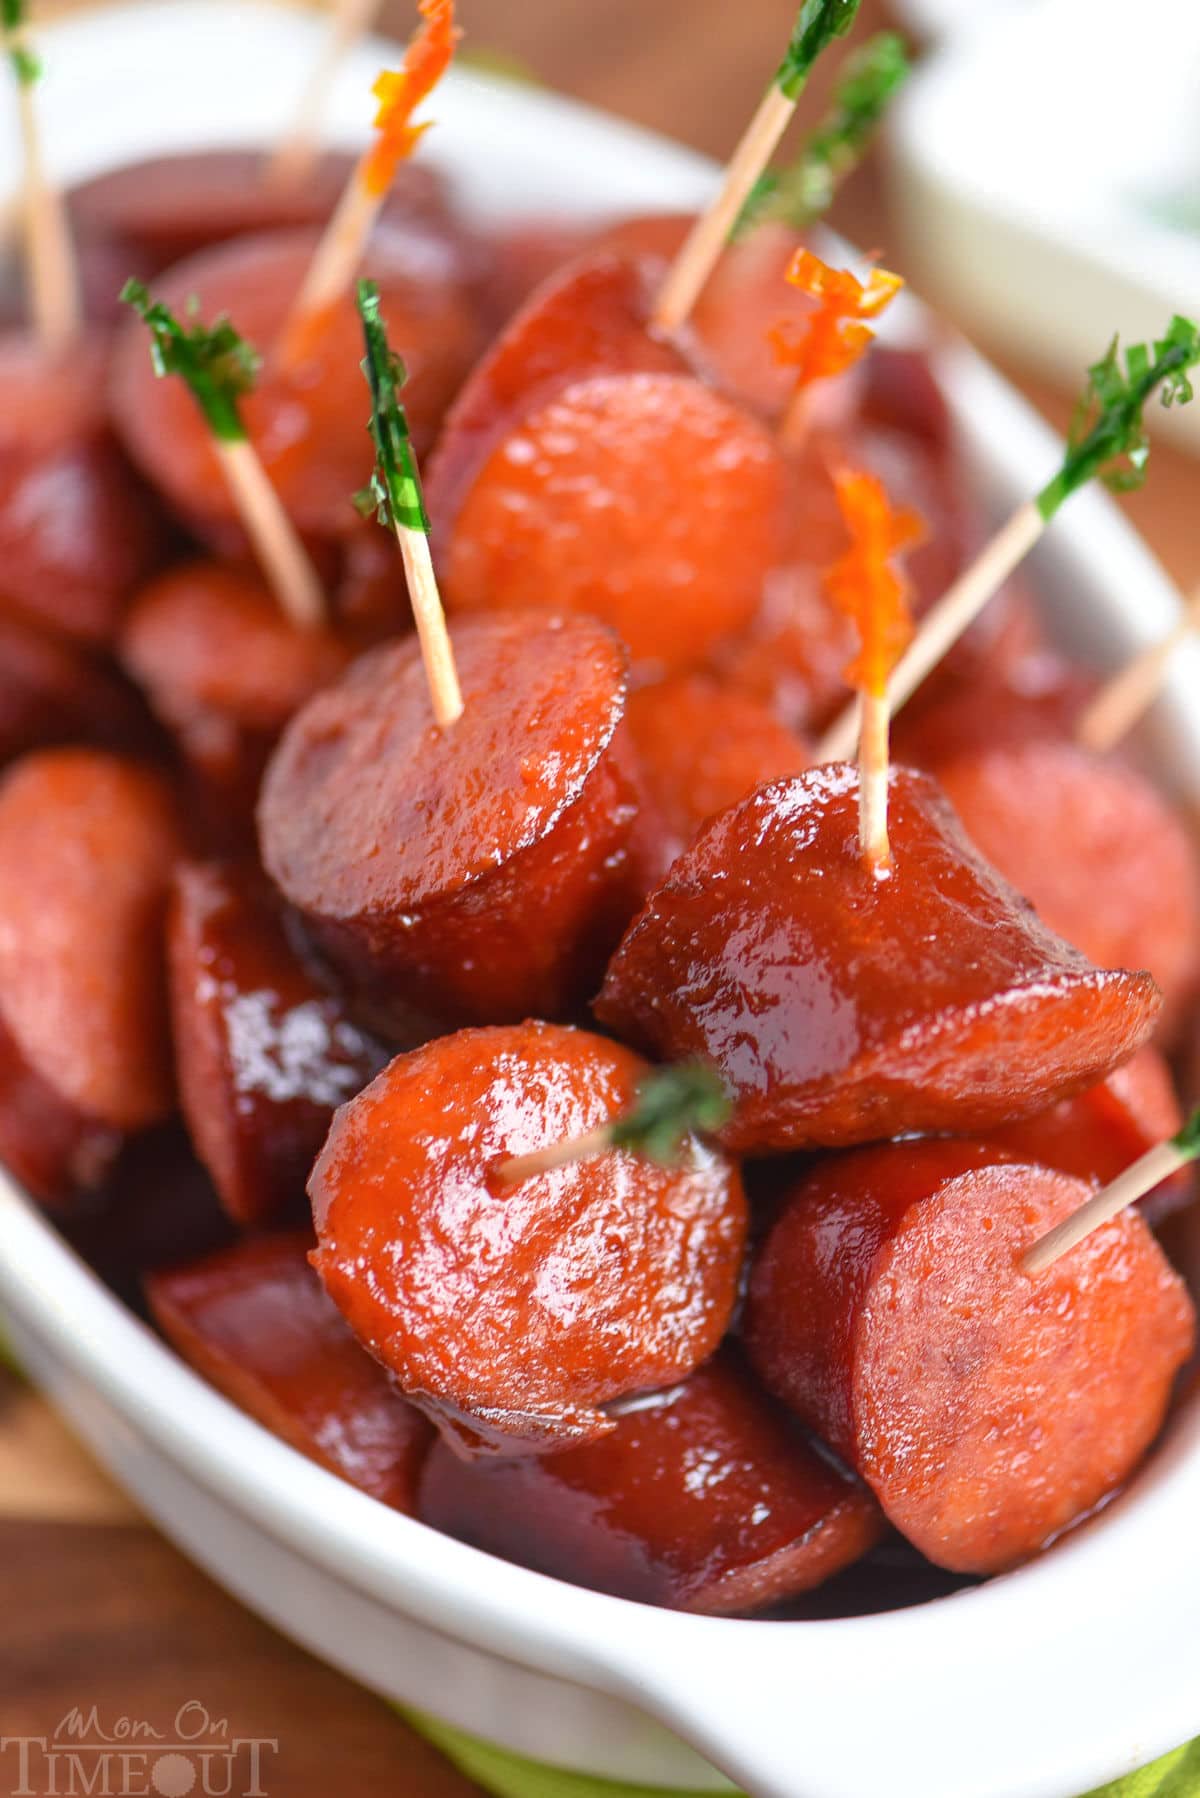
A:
1039,162
1037,1685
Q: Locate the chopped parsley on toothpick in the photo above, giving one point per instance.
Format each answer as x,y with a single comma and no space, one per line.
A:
1107,442
218,368
818,23
396,498
799,195
296,155
1156,1165
869,589
54,300
398,93
833,336
672,1105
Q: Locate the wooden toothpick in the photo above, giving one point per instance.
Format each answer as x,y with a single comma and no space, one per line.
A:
1156,1165
1108,442
672,1104
1128,696
296,153
53,278
867,587
395,496
218,368
818,23
398,92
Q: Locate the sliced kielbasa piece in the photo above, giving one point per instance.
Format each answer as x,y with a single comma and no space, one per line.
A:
588,468
631,1514
703,745
254,1320
78,531
1101,1132
53,693
513,1313
159,211
841,1008
307,416
224,670
87,844
480,873
987,1408
1098,851
263,1053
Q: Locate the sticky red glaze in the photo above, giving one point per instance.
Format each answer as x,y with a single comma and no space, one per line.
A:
703,1498
308,418
1101,855
87,844
264,1055
841,1008
986,1408
991,701
1100,1133
477,874
510,1313
78,531
256,1323
702,746
51,693
224,670
586,468
160,211
54,1150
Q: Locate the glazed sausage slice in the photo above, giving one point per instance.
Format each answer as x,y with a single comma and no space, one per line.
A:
1096,849
512,1313
307,416
162,210
255,1322
264,1055
840,1008
475,874
588,468
703,745
78,531
51,693
1097,1135
986,1408
87,843
224,670
631,1515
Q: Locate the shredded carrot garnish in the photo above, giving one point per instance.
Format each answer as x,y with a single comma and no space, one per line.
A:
400,91
866,585
833,338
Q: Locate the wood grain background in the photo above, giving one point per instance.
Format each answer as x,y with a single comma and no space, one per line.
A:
96,1609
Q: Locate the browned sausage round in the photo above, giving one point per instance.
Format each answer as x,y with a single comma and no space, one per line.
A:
512,1313
263,1053
78,531
841,1008
987,1408
475,874
51,693
308,414
255,1322
586,467
1098,851
87,844
704,1498
224,670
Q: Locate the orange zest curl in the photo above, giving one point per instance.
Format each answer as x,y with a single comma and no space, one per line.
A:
400,91
866,585
835,335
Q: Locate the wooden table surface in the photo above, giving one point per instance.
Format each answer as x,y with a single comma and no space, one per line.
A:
96,1608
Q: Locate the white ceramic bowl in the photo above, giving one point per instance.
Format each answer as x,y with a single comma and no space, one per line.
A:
1037,1685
